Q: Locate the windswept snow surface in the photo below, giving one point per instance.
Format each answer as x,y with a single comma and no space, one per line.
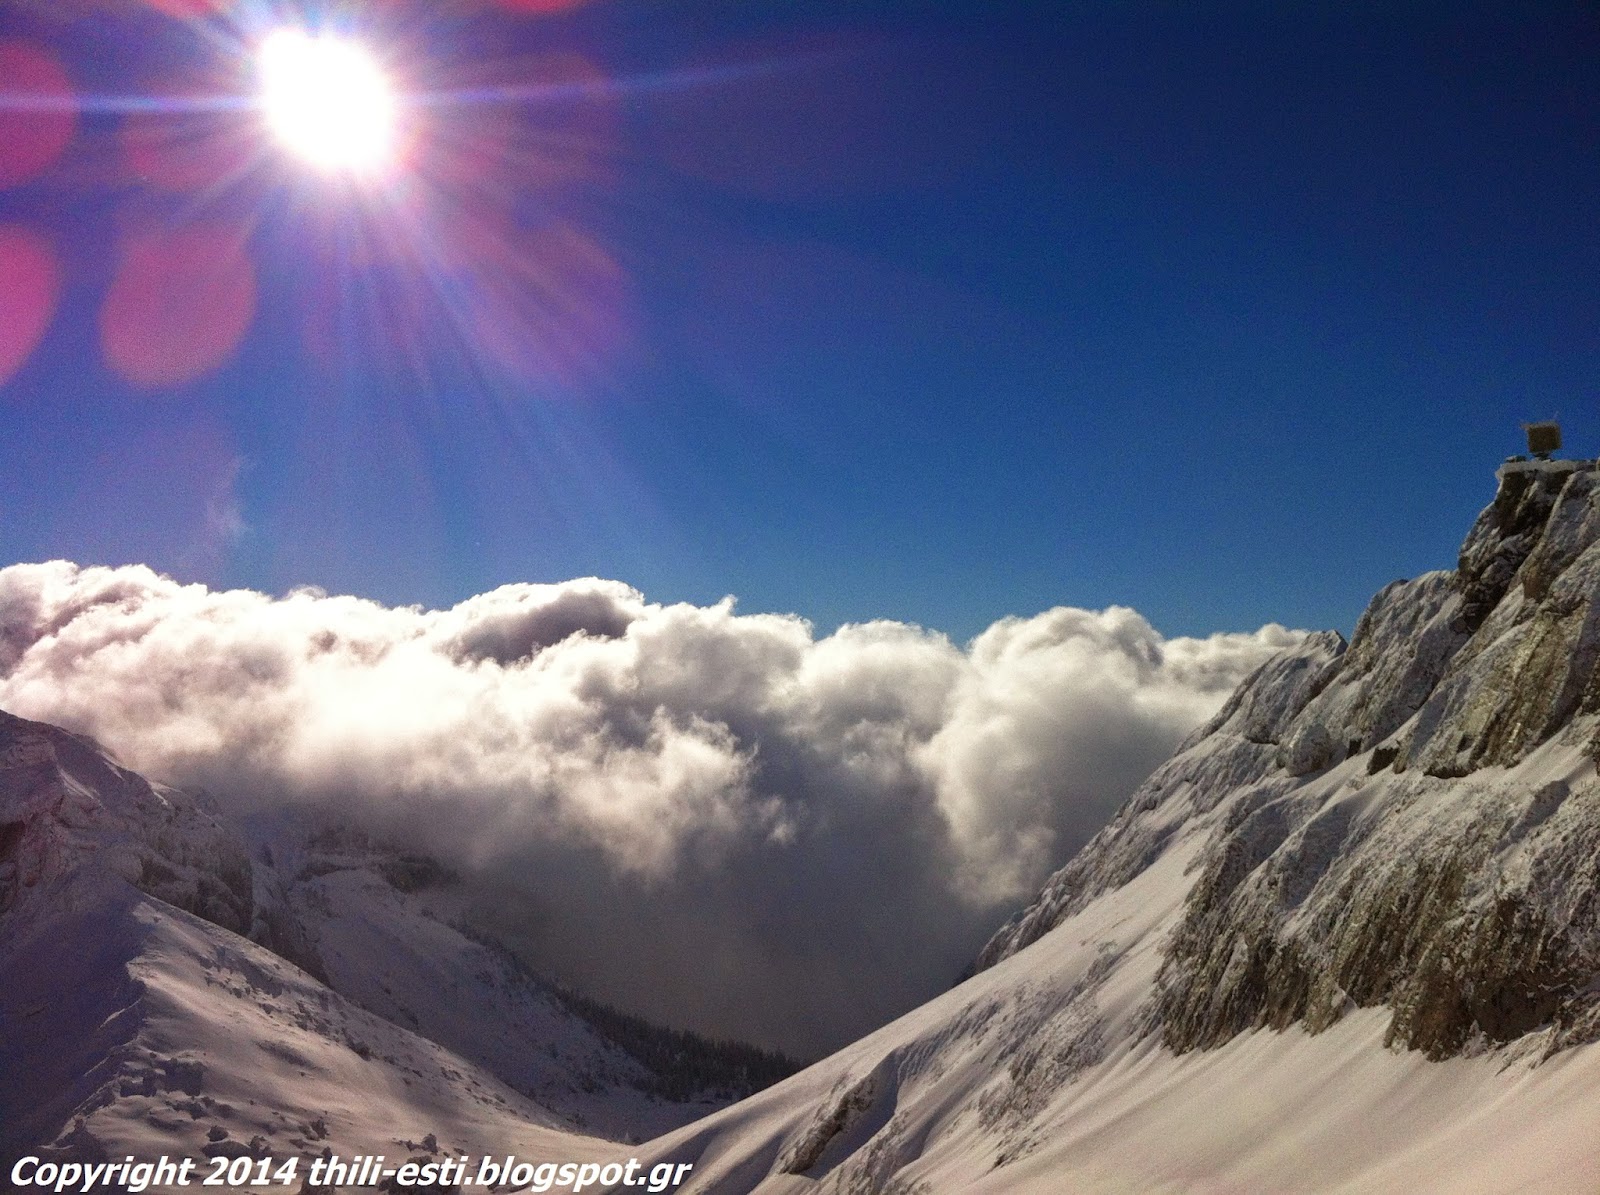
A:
180,1038
381,929
1040,1075
1347,939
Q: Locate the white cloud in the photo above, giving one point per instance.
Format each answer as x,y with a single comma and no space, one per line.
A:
664,803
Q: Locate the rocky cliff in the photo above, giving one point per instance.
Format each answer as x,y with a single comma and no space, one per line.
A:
1411,820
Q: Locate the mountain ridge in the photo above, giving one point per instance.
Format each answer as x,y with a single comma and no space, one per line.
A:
1369,886
313,937
1446,675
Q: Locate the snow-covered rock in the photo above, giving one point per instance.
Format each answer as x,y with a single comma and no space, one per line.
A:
1347,938
1446,868
64,803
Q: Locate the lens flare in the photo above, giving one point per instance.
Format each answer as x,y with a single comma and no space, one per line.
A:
328,101
541,8
194,145
190,10
34,135
30,282
179,304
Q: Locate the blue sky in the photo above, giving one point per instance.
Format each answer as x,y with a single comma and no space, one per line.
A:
933,312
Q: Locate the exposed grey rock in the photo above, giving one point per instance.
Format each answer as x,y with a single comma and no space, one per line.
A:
844,1109
1309,749
1502,539
1367,834
1526,670
1401,647
1262,707
1234,751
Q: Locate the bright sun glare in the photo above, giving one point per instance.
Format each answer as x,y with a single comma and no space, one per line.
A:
328,101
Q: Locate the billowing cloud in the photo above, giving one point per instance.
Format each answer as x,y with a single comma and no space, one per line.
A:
718,819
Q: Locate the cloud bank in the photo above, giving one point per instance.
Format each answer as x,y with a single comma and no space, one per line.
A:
717,819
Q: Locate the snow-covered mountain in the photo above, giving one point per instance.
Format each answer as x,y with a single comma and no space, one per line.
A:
389,931
1347,938
174,983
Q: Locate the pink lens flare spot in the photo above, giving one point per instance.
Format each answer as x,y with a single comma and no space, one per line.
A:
190,10
37,112
30,283
179,304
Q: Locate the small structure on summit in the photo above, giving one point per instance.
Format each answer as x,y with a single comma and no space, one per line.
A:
1543,439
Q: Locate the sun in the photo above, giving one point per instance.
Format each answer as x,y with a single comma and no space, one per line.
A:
328,101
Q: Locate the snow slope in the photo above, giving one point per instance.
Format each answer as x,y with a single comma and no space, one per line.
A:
1348,938
1035,1077
137,1017
137,1020
173,1036
382,930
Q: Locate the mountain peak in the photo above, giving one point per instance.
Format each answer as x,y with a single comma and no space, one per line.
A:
1347,860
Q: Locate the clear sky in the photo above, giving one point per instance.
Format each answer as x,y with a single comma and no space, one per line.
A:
932,312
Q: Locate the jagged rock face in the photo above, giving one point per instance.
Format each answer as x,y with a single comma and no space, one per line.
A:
1526,669
1375,689
1470,913
64,802
1501,540
1237,749
1411,822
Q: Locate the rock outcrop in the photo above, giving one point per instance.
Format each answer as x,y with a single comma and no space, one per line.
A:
1412,821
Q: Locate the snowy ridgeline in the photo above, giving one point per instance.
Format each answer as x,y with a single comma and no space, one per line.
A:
174,984
1347,938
